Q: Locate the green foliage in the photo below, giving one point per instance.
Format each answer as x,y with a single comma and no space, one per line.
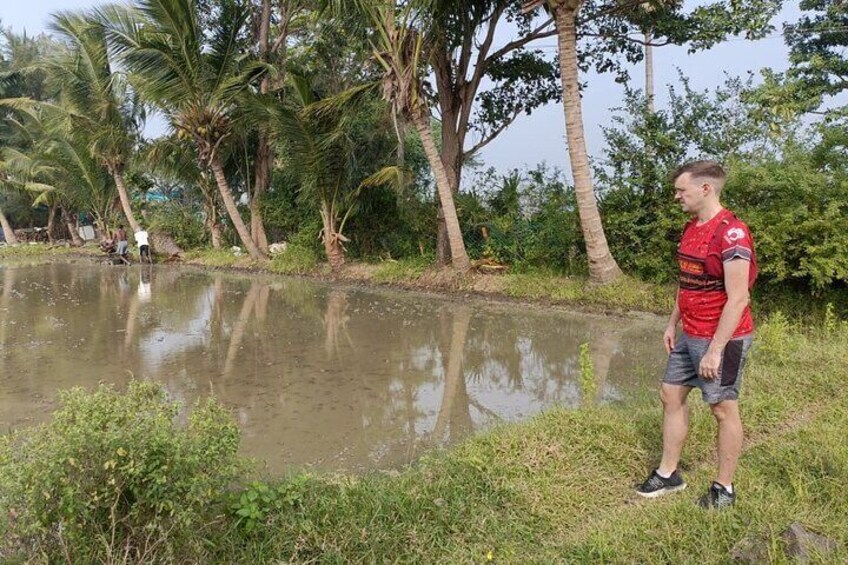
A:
181,222
588,384
772,337
529,220
403,270
114,474
796,213
253,506
295,260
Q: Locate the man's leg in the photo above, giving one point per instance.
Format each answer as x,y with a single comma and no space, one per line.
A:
730,437
675,425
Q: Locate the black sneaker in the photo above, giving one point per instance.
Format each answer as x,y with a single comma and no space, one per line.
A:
717,497
655,485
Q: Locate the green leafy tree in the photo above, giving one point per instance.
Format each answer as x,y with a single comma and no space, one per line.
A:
403,36
598,32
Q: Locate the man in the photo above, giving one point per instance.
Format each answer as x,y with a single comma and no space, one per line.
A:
121,238
717,270
142,240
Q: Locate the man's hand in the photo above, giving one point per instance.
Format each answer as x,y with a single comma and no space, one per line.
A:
710,363
668,338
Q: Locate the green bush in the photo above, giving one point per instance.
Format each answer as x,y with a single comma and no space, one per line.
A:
295,260
113,477
181,222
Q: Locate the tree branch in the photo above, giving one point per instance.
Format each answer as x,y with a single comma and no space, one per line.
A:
538,33
493,134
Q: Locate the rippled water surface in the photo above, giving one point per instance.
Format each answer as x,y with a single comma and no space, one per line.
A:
317,376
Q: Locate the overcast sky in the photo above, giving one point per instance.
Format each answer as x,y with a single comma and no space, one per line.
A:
541,136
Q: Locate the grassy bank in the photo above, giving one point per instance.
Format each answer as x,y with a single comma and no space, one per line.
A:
558,488
41,253
418,274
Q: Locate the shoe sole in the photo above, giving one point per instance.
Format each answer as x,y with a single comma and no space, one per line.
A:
659,493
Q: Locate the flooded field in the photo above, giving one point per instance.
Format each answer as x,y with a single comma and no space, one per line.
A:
317,376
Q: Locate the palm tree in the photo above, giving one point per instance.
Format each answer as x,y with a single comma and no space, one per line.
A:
95,98
195,82
319,148
400,46
59,170
602,266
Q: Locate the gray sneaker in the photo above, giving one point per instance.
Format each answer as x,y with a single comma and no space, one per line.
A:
655,485
717,497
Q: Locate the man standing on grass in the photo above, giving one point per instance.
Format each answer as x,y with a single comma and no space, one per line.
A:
717,271
121,239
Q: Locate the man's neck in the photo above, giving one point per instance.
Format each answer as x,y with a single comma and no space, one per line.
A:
709,212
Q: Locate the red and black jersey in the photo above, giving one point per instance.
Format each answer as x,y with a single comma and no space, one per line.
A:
701,255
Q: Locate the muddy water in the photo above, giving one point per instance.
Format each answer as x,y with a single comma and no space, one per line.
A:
317,376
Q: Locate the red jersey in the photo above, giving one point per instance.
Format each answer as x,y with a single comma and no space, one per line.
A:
702,253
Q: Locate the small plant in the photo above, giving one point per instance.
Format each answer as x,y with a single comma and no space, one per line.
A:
831,320
259,501
588,386
773,337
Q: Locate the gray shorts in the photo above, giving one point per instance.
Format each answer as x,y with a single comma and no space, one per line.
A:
122,247
686,356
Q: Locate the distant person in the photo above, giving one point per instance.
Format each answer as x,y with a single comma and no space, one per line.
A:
142,240
121,238
717,270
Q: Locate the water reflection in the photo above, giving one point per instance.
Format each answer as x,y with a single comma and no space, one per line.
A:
316,376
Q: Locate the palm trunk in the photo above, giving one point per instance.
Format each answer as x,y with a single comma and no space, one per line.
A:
124,195
262,181
8,232
602,266
332,243
649,71
51,223
264,157
73,228
451,153
459,257
232,210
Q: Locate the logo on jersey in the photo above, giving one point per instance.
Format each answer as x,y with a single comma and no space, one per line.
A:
734,234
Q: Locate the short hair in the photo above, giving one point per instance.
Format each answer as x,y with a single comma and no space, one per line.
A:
703,170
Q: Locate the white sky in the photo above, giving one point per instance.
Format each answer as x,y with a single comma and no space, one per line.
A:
541,136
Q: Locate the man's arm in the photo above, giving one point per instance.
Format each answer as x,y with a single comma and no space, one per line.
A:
671,327
736,286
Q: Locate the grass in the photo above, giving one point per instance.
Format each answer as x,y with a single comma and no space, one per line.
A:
558,488
295,260
40,253
403,270
625,294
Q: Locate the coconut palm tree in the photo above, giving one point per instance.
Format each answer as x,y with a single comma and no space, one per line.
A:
319,153
400,46
95,98
59,170
602,266
195,80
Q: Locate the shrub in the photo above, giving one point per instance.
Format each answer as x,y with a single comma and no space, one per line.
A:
181,222
295,260
114,478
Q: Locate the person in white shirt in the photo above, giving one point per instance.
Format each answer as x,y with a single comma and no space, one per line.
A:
142,239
